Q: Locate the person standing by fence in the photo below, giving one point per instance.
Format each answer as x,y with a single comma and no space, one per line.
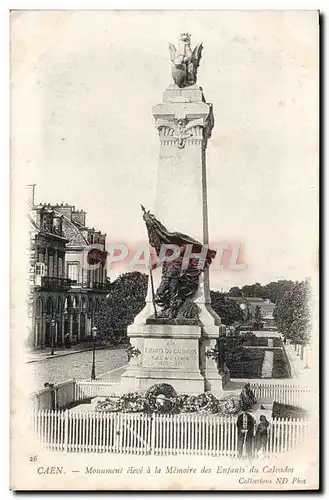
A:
245,424
53,395
261,435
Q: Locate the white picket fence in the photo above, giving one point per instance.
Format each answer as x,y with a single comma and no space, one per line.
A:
281,393
132,433
85,389
74,391
70,392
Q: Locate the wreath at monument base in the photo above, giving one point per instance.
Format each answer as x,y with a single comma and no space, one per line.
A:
157,389
162,398
132,402
229,404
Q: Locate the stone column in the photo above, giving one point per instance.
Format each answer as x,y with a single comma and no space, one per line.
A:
56,333
88,325
36,329
43,332
63,328
71,324
47,261
78,318
55,264
184,121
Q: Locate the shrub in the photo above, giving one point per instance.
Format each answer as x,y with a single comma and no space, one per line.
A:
281,410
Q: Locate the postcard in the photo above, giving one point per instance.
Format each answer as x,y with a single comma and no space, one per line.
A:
164,262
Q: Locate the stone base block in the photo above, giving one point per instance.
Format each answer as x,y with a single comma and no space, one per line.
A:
181,382
215,382
169,354
193,93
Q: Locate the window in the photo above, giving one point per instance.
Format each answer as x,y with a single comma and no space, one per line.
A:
72,271
51,265
39,308
40,269
68,303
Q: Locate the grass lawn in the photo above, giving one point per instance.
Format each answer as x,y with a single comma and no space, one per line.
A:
250,364
280,369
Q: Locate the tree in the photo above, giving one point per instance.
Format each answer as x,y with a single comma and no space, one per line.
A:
292,314
258,317
273,291
283,314
256,290
276,290
234,348
228,310
235,292
126,298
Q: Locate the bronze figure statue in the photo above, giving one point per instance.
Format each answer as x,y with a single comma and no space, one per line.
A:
180,277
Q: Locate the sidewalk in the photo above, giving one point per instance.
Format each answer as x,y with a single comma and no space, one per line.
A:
112,375
298,369
42,354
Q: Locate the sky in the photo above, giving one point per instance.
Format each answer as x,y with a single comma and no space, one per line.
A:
83,87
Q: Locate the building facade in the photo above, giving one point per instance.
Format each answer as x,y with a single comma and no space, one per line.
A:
68,286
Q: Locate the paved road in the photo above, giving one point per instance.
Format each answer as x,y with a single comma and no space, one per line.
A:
76,365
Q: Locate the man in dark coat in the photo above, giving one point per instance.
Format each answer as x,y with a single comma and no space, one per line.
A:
67,340
247,398
245,424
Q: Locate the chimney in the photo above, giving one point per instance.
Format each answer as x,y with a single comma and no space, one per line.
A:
79,216
66,210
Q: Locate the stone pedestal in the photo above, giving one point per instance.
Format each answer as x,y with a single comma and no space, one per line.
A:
215,379
184,121
169,354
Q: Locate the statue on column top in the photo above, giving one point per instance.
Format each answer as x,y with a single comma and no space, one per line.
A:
185,62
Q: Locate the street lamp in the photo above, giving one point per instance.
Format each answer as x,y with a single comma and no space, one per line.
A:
243,307
93,371
52,326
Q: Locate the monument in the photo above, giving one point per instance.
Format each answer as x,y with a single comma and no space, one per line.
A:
178,326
